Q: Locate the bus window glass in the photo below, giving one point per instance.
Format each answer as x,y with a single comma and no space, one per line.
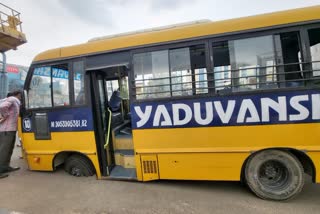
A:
181,75
188,70
198,64
60,85
201,81
112,85
40,88
314,38
251,58
291,58
244,64
124,90
79,84
151,72
222,67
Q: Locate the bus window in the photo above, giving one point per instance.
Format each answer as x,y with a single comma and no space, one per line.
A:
180,69
60,85
187,76
188,70
79,84
291,58
245,64
250,58
151,72
314,39
198,64
222,67
40,88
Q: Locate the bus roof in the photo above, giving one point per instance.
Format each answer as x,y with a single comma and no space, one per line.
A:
182,32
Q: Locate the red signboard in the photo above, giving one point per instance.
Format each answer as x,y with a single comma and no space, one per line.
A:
12,69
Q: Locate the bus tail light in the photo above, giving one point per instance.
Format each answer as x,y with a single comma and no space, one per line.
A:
36,159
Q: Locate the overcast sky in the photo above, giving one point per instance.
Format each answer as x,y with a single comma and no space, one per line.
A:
56,23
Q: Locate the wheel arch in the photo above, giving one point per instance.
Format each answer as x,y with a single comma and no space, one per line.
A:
305,160
61,157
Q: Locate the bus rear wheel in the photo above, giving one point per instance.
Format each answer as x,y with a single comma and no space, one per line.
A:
274,175
77,165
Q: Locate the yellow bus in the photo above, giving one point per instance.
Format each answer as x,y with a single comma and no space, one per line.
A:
234,100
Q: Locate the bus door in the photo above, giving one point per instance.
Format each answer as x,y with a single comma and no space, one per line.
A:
105,69
102,122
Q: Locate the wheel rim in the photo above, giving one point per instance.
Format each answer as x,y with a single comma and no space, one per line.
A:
274,174
76,171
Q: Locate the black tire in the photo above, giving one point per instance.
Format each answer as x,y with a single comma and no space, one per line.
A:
77,165
274,175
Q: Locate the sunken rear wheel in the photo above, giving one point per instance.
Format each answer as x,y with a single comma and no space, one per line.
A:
274,175
77,165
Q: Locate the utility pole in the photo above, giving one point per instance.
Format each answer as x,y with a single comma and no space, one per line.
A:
3,77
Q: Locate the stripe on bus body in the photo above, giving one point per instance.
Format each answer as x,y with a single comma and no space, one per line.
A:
65,120
269,108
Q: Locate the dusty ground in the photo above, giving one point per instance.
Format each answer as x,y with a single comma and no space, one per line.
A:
27,192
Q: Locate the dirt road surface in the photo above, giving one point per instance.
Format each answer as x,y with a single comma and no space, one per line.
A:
29,192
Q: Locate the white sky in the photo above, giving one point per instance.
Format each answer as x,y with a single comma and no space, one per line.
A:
55,23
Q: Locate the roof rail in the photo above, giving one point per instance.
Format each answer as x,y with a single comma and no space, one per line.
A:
184,24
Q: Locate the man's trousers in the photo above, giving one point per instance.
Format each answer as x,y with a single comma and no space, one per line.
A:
7,141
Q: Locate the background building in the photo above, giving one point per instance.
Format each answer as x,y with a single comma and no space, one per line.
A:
16,76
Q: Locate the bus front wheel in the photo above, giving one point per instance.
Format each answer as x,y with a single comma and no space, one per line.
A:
77,165
274,175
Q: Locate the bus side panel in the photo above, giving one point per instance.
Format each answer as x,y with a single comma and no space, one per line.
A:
201,166
315,157
40,162
244,138
40,153
138,167
95,162
221,151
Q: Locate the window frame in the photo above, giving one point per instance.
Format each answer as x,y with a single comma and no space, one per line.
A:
86,83
173,45
169,75
306,44
301,28
209,40
70,82
248,35
28,81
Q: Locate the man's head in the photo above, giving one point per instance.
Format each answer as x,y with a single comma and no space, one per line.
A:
17,94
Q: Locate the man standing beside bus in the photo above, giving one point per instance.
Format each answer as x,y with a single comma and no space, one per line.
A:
9,112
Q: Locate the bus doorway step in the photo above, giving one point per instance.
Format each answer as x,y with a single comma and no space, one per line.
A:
121,173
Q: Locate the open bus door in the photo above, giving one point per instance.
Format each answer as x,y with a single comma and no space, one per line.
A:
112,121
102,122
111,116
